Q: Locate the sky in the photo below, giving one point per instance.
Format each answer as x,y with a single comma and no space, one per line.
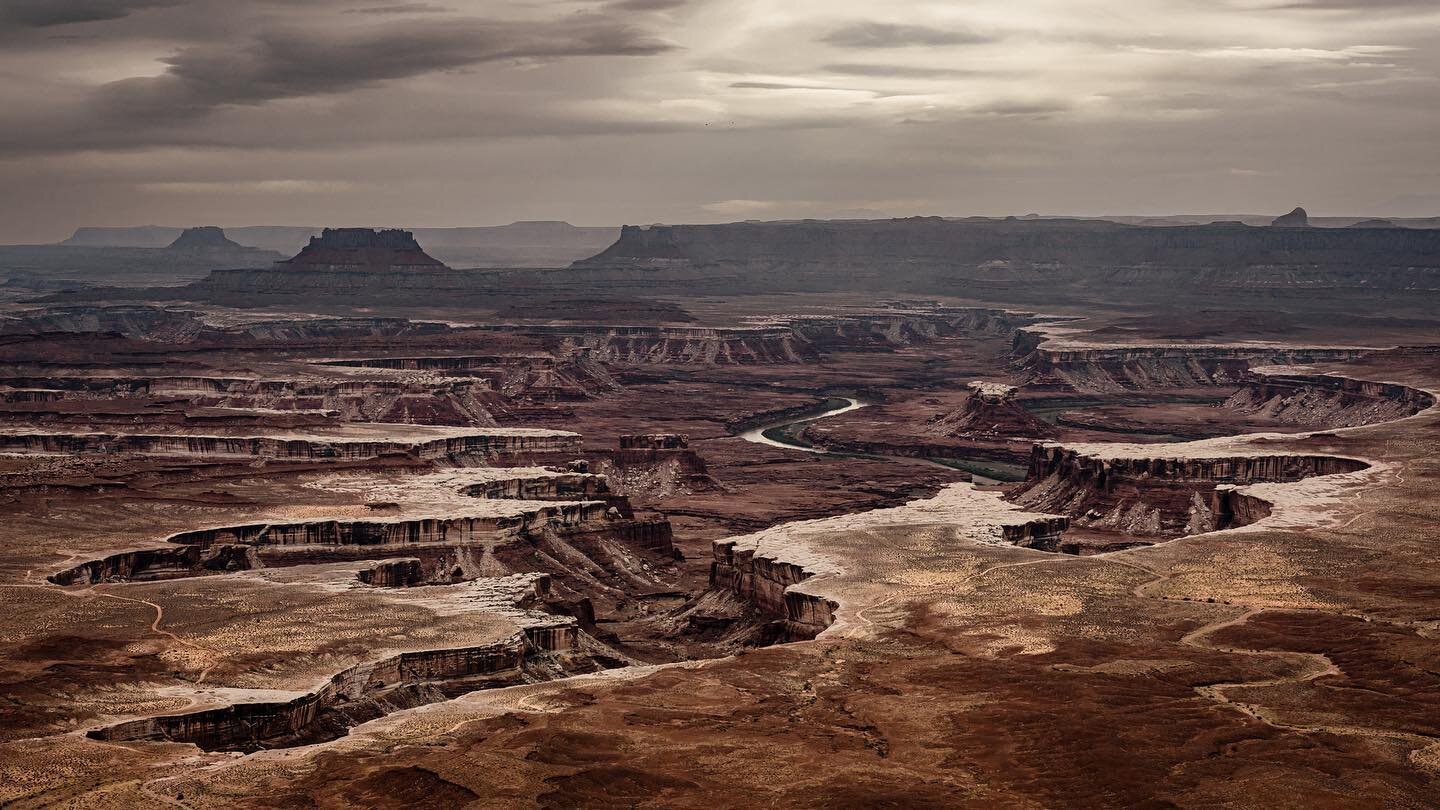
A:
476,112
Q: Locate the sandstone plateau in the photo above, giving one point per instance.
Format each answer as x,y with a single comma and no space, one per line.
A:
892,513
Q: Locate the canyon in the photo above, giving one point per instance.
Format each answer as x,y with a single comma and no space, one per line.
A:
874,513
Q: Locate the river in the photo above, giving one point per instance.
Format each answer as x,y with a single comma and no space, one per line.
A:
757,434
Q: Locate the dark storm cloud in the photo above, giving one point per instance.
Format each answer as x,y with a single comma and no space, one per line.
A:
870,34
297,62
46,13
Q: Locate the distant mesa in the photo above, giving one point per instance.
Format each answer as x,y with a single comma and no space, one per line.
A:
1374,223
350,262
205,237
364,249
1295,219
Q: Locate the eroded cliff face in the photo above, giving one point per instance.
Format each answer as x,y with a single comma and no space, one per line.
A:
763,583
1323,400
155,324
402,572
544,647
991,411
575,374
168,562
397,531
636,345
1144,368
571,486
584,546
483,445
1160,497
654,472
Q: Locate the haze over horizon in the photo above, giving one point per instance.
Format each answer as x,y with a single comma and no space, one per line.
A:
181,112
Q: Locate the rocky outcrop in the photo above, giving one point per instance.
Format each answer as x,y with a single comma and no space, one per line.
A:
794,340
321,329
1295,219
549,487
1115,369
367,691
1230,506
1323,400
544,646
403,572
643,345
155,324
579,543
765,582
654,441
399,532
352,697
1044,534
990,412
1158,496
170,562
458,402
575,375
501,442
656,465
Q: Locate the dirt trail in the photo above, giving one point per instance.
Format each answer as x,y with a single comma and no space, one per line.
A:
157,629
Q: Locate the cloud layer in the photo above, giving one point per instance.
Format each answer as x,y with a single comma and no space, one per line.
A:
602,111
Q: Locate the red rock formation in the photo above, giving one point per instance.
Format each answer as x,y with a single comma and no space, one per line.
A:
160,563
351,697
494,444
1157,496
1324,400
991,411
1151,367
654,441
764,583
403,572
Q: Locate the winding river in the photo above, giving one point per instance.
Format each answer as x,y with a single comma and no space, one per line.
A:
757,434
781,434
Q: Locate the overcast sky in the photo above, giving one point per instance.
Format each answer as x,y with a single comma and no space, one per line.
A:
468,112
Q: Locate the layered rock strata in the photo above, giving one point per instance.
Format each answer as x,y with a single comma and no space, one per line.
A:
542,646
422,442
1058,366
168,562
1324,400
1159,491
397,573
990,411
778,572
